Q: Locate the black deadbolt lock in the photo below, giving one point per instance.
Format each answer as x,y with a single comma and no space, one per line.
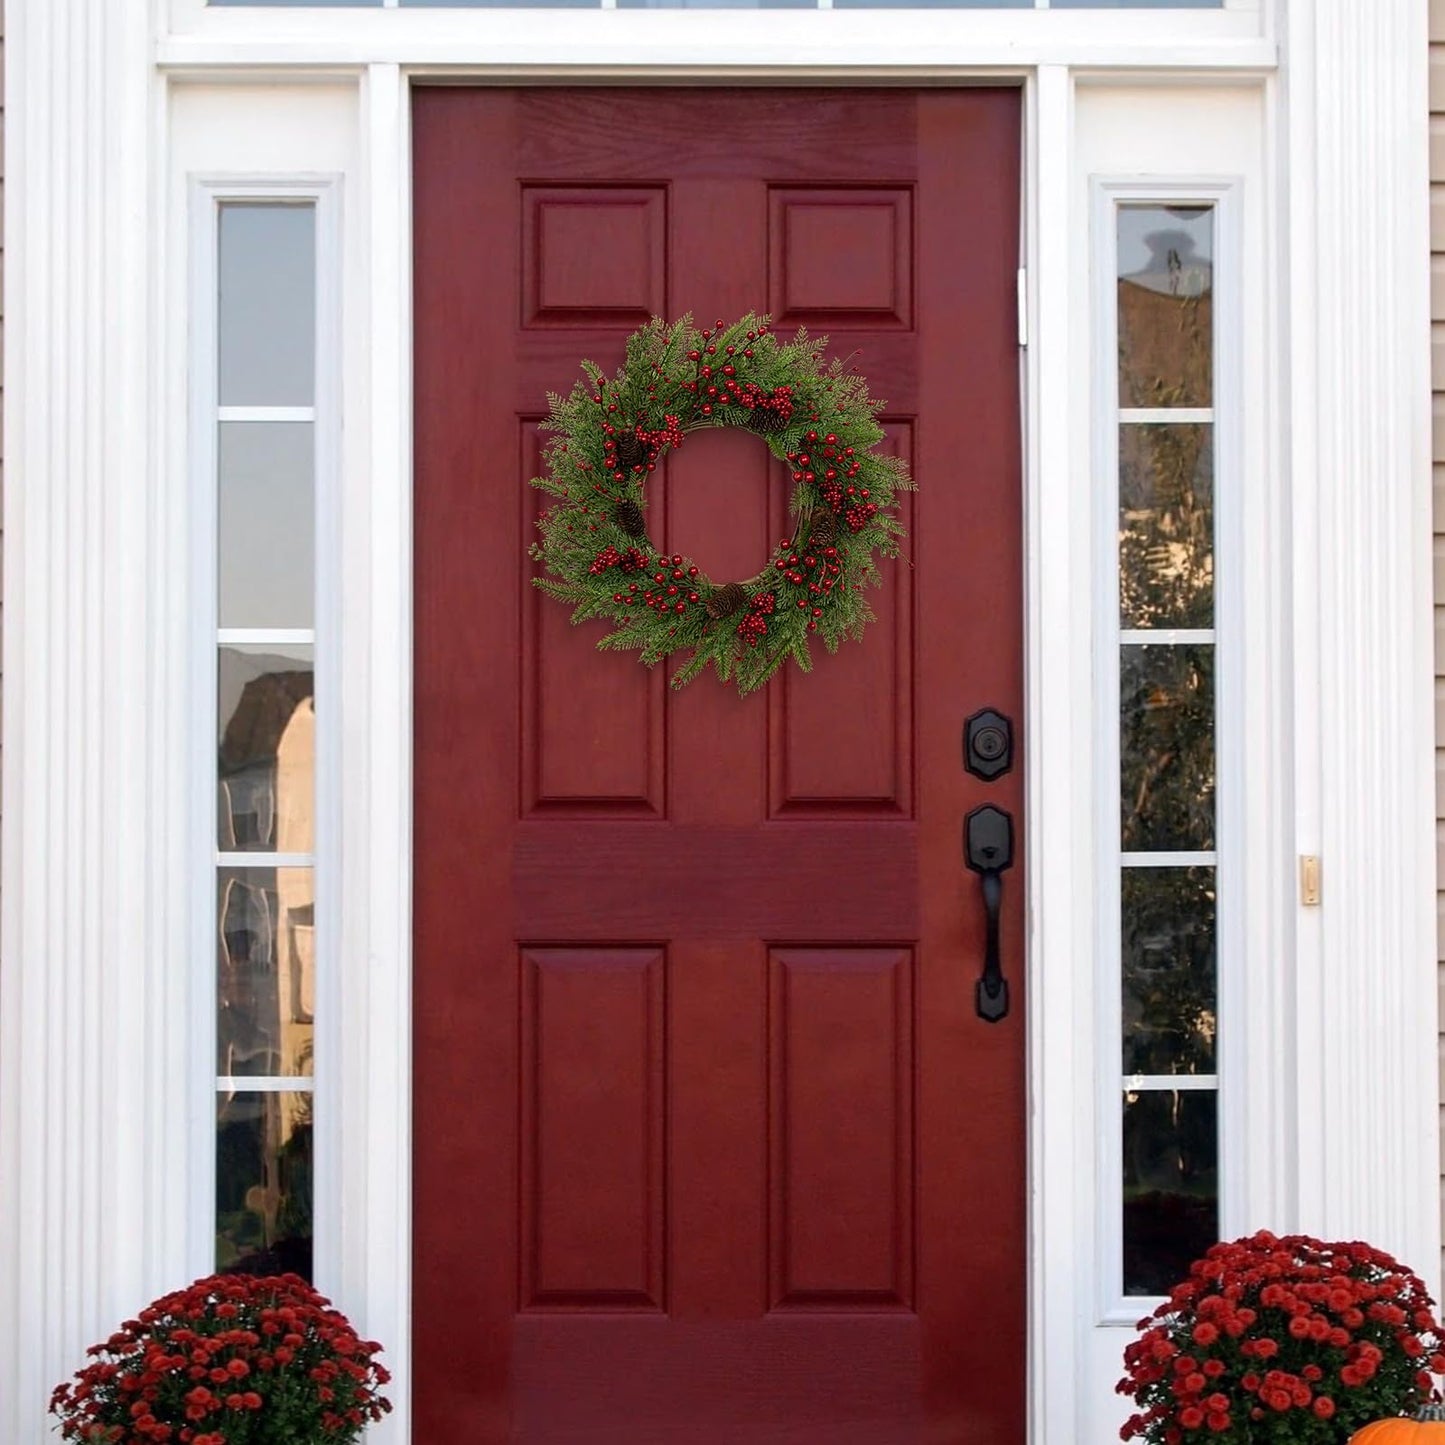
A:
988,744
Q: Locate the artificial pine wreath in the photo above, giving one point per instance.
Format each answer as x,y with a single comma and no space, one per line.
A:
610,436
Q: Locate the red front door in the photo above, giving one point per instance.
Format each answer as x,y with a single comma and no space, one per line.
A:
711,1144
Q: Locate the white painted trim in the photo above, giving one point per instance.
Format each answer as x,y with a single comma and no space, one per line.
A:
376,656
1201,859
1164,636
1059,762
1163,415
710,42
264,1083
265,637
264,860
1356,245
266,413
91,1109
1167,1083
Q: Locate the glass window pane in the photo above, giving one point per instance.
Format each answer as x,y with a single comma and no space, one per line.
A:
268,305
263,1183
1170,1010
1166,526
267,749
266,526
1136,4
1171,1186
266,971
499,4
1166,305
1166,766
707,4
933,4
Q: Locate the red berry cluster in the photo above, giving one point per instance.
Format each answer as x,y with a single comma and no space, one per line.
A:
632,560
1282,1339
753,628
815,573
674,586
230,1360
715,381
751,397
839,464
636,448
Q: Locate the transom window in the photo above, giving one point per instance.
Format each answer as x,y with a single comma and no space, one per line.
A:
740,4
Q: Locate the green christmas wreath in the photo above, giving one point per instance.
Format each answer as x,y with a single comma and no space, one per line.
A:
610,435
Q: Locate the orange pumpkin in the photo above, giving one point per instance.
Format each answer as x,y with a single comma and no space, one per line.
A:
1427,1428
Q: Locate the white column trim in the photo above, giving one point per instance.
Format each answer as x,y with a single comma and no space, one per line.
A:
1356,237
377,749
89,1127
1060,762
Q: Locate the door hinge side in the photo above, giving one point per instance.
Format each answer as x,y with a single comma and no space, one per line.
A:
1023,295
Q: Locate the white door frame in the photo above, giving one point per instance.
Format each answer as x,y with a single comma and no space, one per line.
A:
97,1084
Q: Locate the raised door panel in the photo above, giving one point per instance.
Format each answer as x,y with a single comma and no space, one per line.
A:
840,1123
593,734
593,1113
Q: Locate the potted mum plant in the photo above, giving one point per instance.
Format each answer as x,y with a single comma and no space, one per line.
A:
1283,1339
229,1360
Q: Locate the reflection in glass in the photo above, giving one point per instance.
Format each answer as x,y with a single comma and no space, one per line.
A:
1166,305
267,304
1171,1186
266,770
1166,764
1166,526
265,971
263,1183
1170,1009
266,528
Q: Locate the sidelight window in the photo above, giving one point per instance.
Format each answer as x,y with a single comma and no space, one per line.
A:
261,384
1162,905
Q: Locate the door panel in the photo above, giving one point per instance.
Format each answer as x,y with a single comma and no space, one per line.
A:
710,1144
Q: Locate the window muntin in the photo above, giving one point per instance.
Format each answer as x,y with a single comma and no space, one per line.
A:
1164,645
263,653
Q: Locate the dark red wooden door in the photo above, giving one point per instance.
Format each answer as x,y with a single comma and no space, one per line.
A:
710,1144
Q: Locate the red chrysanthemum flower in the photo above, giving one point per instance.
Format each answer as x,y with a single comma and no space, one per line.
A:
1282,1339
192,1369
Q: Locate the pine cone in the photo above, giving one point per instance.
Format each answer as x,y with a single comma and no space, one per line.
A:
628,516
822,527
631,452
725,601
765,421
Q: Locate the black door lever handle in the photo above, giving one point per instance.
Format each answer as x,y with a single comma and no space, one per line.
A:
988,848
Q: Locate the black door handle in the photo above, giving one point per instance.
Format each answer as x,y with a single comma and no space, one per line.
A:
988,848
